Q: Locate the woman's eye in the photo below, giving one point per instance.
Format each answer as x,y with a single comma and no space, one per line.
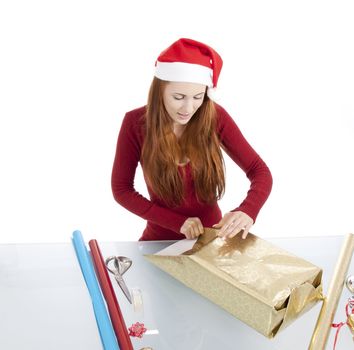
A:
179,98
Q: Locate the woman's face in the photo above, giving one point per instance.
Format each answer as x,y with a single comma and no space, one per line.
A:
181,100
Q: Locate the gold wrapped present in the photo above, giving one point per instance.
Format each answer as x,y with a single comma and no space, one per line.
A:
262,285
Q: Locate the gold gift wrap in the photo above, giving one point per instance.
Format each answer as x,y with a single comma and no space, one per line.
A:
329,307
262,285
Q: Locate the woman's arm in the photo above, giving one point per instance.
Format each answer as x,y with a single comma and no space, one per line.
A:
126,160
241,152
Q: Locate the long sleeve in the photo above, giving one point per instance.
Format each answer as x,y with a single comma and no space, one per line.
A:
240,151
126,160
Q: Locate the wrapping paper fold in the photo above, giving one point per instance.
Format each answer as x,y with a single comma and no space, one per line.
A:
107,335
117,319
257,282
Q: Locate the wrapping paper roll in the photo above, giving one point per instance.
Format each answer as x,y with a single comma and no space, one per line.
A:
108,337
117,319
330,303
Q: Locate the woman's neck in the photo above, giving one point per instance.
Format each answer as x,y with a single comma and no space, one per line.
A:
178,129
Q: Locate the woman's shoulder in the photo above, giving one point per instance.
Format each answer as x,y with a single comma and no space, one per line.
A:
133,124
223,117
136,114
134,120
219,109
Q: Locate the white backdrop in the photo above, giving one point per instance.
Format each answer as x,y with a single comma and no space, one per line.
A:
69,70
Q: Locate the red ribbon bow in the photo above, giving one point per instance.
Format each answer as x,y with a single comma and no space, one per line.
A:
137,330
350,305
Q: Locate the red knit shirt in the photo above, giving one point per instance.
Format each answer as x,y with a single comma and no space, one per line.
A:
164,223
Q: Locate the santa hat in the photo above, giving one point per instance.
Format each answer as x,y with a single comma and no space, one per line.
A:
187,60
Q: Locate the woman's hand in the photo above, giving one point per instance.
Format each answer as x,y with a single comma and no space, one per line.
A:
192,228
232,223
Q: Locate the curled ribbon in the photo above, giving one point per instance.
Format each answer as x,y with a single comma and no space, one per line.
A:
349,310
137,330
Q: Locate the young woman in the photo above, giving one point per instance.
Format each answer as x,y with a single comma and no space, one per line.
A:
177,138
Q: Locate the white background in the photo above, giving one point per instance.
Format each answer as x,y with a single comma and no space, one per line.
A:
69,70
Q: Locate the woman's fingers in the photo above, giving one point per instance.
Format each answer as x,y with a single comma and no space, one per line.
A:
230,225
200,227
233,223
246,230
192,228
220,223
233,229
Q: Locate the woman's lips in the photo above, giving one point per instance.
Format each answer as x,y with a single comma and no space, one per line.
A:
183,116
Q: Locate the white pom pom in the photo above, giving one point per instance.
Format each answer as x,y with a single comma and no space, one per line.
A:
212,93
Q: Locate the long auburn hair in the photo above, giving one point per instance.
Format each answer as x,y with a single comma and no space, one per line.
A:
162,151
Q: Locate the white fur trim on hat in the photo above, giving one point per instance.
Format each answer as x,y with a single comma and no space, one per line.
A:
184,72
212,93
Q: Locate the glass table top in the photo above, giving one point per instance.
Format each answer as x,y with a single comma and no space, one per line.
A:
44,302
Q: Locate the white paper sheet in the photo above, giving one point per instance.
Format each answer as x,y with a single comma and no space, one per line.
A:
178,247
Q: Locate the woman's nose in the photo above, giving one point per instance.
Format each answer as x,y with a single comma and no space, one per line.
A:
188,106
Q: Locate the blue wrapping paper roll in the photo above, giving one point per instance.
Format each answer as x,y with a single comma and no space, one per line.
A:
105,328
